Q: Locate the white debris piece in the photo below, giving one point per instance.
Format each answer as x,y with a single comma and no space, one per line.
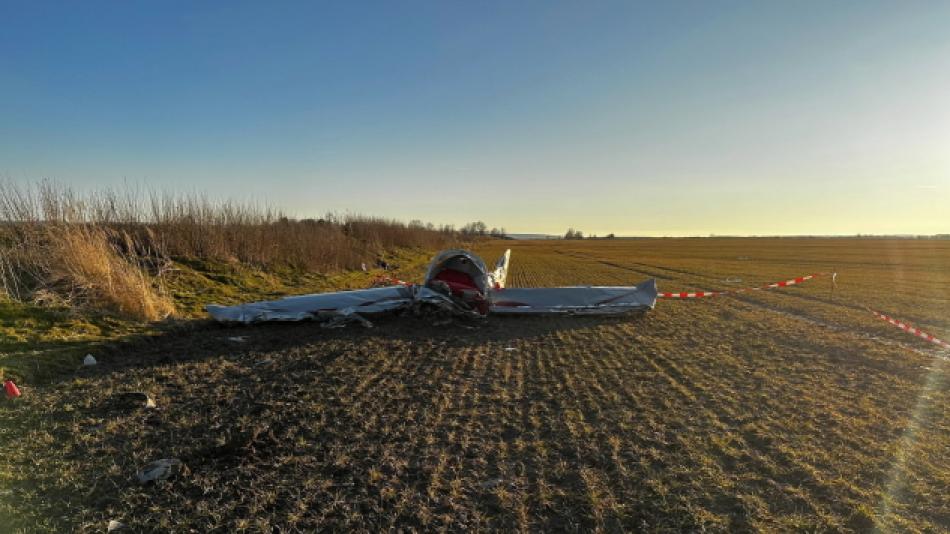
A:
159,470
115,525
89,360
238,339
510,349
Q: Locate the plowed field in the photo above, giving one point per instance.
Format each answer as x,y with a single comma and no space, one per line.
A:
788,409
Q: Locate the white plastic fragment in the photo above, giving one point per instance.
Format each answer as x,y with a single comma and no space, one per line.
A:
159,470
238,339
89,360
115,525
510,349
149,403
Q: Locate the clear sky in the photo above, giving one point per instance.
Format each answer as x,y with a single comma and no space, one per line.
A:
661,118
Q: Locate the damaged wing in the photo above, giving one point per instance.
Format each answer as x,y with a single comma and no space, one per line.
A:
592,300
327,305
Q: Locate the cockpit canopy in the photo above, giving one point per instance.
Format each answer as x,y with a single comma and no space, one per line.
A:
461,275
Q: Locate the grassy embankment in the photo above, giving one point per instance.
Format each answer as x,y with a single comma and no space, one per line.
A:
77,271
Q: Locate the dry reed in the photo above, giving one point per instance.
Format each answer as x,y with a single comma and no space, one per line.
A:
106,248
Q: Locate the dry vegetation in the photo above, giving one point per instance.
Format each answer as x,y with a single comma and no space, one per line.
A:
776,411
109,250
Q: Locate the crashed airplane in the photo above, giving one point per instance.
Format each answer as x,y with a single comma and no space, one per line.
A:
457,281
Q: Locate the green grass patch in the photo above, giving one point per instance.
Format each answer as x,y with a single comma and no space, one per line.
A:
38,343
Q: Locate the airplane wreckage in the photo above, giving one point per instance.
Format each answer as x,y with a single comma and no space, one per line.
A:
457,281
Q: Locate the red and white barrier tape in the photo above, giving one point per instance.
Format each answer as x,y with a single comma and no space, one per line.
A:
702,294
899,324
911,329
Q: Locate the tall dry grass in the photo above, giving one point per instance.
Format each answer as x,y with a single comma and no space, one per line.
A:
107,248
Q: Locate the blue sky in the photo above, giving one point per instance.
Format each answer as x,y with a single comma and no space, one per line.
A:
676,118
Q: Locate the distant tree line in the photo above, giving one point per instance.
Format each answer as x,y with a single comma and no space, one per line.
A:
577,234
480,229
573,234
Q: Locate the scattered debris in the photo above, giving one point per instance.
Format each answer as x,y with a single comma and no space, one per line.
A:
238,339
733,280
344,317
510,349
12,391
159,470
115,525
89,360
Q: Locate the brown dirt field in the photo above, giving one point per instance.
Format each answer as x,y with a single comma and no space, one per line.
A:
793,409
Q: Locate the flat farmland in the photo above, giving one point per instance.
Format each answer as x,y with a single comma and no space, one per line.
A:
787,409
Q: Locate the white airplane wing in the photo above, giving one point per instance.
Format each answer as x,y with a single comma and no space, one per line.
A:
327,305
591,300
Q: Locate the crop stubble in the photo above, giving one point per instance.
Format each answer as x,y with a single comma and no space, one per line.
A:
788,409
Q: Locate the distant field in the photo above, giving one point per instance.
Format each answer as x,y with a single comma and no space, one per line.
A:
792,409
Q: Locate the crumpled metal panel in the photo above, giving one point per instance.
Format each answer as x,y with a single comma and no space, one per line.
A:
463,261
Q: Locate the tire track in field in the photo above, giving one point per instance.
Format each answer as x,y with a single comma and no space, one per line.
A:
925,324
679,271
838,329
586,259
